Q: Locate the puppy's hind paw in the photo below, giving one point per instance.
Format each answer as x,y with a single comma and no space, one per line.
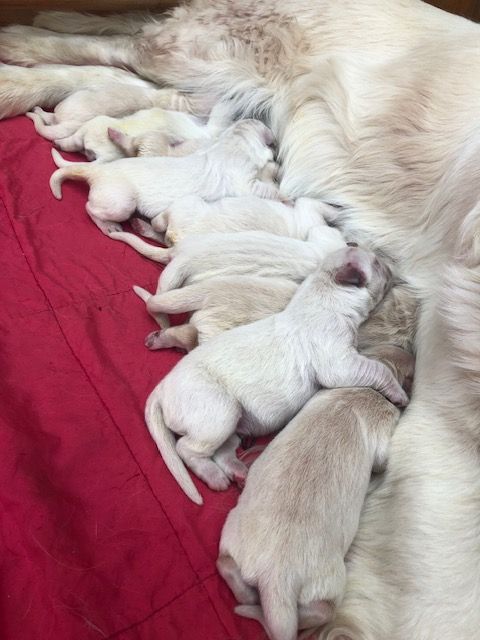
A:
154,341
215,478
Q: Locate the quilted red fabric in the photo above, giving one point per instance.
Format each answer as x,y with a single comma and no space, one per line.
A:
98,541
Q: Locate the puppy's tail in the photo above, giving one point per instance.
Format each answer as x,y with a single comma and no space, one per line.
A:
158,254
67,171
165,441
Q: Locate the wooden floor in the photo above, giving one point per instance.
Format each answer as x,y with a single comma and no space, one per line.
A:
22,11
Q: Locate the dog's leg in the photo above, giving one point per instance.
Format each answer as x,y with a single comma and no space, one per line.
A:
202,464
28,46
73,22
22,89
226,458
230,572
145,229
184,337
359,371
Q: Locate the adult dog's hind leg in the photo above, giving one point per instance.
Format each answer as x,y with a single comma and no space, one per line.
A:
28,46
74,22
22,89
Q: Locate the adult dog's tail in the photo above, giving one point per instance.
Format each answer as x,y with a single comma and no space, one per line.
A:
165,441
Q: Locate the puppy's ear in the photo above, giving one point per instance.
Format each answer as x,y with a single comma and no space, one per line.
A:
351,273
268,137
123,141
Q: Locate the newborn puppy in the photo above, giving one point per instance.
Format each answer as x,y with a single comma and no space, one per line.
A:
221,303
97,137
283,546
159,142
198,258
216,305
192,216
254,379
227,168
103,137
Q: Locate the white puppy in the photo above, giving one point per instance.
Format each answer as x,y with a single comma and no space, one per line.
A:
192,215
253,379
221,303
216,305
229,167
97,137
105,138
283,546
198,258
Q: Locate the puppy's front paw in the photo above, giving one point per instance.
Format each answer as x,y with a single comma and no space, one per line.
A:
399,398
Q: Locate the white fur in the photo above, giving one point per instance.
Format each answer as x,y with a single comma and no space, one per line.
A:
255,378
198,258
216,305
299,511
191,216
162,126
229,167
375,106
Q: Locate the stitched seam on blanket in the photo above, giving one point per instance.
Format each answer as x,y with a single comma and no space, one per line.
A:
97,393
76,303
153,613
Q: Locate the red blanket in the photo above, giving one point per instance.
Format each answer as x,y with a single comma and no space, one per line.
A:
98,540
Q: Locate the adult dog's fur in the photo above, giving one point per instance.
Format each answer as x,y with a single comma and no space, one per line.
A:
376,107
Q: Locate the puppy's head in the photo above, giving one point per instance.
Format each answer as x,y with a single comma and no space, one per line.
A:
253,138
358,268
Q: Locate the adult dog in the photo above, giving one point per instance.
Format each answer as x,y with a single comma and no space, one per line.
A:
375,105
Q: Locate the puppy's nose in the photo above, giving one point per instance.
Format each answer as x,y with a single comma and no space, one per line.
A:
352,244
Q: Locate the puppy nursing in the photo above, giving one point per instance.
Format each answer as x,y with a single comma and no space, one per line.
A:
199,258
193,216
253,379
283,546
230,167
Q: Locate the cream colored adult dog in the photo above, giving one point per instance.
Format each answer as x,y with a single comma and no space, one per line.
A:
376,107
